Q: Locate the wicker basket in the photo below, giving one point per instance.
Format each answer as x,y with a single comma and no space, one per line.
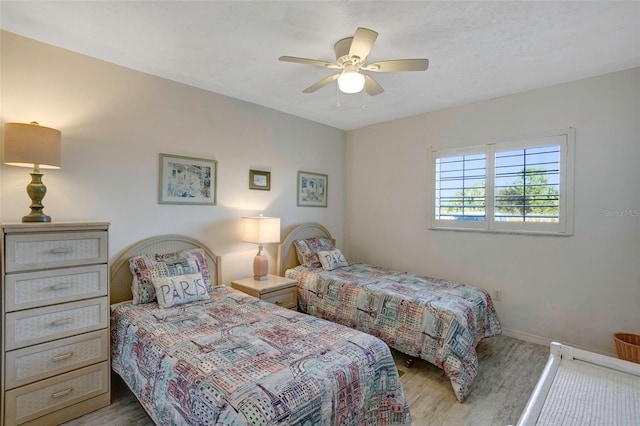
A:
628,346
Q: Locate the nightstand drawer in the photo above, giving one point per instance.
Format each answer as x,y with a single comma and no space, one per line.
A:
34,289
25,328
26,252
285,298
35,400
38,362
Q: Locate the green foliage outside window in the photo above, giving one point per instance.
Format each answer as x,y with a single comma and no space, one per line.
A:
529,197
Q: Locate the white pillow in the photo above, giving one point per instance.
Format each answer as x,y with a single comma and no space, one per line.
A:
180,289
332,259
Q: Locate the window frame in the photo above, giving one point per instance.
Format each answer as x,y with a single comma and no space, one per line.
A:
564,138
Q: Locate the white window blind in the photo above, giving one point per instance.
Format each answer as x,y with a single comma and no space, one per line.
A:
522,185
460,187
527,185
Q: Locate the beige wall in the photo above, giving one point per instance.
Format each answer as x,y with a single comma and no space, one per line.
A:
578,289
115,122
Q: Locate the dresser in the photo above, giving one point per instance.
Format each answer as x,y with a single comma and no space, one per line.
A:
277,290
54,322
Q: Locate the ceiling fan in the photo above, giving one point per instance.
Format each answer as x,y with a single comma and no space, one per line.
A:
351,54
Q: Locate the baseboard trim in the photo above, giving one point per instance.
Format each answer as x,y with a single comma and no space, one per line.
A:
527,337
545,341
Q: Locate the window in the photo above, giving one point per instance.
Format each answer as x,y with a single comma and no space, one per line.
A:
461,186
522,186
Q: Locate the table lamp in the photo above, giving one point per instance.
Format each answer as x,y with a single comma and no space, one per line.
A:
260,230
32,145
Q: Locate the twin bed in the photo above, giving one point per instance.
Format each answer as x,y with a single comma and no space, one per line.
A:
433,319
228,358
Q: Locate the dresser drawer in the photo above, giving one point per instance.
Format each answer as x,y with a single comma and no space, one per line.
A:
34,289
25,252
37,399
38,362
286,298
25,328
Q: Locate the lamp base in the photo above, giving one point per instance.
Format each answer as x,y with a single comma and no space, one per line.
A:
260,266
36,191
36,216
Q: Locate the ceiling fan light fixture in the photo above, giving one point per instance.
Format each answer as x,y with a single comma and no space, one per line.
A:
351,82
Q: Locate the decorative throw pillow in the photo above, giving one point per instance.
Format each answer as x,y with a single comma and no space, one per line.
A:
308,249
332,259
180,289
146,268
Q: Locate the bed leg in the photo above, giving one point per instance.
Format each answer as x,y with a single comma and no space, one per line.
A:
408,363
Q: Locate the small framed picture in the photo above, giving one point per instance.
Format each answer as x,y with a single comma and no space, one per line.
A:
312,189
187,180
259,179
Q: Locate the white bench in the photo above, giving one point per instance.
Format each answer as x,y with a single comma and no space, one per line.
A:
578,387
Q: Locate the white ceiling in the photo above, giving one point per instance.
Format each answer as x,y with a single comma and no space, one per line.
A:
477,49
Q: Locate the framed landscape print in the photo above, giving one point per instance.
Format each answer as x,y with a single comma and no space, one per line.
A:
312,189
259,179
187,180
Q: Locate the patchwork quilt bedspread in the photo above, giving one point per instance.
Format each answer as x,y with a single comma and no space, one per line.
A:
433,319
237,360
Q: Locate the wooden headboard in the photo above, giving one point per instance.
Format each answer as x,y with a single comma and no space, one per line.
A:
120,276
287,257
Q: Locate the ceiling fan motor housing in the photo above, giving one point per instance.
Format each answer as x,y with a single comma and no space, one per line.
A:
342,53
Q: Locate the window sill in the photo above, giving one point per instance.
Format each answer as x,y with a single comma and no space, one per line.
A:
506,231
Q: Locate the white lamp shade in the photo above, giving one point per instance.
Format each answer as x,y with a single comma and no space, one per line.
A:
29,144
260,230
351,82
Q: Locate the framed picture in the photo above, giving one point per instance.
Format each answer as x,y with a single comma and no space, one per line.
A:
259,180
187,180
312,189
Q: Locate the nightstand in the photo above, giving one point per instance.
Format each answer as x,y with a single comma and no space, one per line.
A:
278,290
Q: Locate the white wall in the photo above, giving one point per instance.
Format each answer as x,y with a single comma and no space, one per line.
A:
579,289
115,122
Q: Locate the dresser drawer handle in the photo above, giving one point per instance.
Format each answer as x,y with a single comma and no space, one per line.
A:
61,286
62,321
62,357
61,250
63,392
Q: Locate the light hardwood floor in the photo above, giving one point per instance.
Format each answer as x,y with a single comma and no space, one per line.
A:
509,370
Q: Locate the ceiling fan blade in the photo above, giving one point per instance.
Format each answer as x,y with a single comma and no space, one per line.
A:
398,65
371,86
320,84
362,42
306,61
